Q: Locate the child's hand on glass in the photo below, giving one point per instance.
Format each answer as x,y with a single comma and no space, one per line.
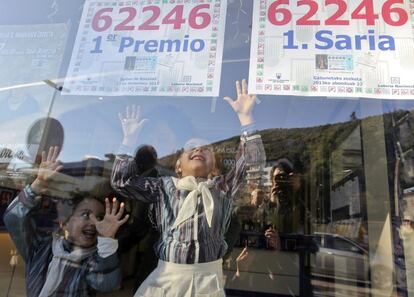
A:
111,222
48,168
131,124
244,104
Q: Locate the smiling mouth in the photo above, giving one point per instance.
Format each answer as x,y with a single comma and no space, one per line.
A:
198,157
89,234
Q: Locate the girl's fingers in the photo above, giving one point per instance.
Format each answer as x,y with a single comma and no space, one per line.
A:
124,220
128,112
50,154
244,87
115,205
43,156
143,122
229,101
55,153
254,99
238,90
138,113
120,117
59,168
121,211
133,111
107,206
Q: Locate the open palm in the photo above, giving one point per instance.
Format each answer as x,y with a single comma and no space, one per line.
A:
48,168
111,222
243,105
131,124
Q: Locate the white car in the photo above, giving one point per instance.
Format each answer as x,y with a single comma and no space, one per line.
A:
341,258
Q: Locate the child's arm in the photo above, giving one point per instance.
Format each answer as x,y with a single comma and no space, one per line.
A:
19,215
104,273
251,151
126,182
124,177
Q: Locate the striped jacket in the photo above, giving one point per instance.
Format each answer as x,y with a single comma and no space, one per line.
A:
80,279
193,241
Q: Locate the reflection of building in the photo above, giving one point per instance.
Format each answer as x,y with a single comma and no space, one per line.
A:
90,166
405,146
346,203
267,182
254,176
345,200
346,158
90,175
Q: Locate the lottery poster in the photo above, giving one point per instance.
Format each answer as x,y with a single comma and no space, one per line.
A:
339,48
152,47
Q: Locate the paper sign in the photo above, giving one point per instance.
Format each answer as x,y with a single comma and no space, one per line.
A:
151,47
29,54
362,48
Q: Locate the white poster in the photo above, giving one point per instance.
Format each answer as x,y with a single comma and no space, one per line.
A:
361,48
152,47
29,54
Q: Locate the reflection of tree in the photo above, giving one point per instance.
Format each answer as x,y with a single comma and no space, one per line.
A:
296,144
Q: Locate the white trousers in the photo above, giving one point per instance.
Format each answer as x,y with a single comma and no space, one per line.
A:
184,280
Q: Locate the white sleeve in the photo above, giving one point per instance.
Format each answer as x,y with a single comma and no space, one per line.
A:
106,246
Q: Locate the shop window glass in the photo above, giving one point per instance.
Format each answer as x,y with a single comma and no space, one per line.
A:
329,212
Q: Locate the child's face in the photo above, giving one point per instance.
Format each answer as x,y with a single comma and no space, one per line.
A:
197,162
79,229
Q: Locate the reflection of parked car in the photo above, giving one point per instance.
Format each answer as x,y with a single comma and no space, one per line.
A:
337,258
342,258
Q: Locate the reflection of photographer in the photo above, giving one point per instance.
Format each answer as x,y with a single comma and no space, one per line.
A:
256,221
284,195
260,210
